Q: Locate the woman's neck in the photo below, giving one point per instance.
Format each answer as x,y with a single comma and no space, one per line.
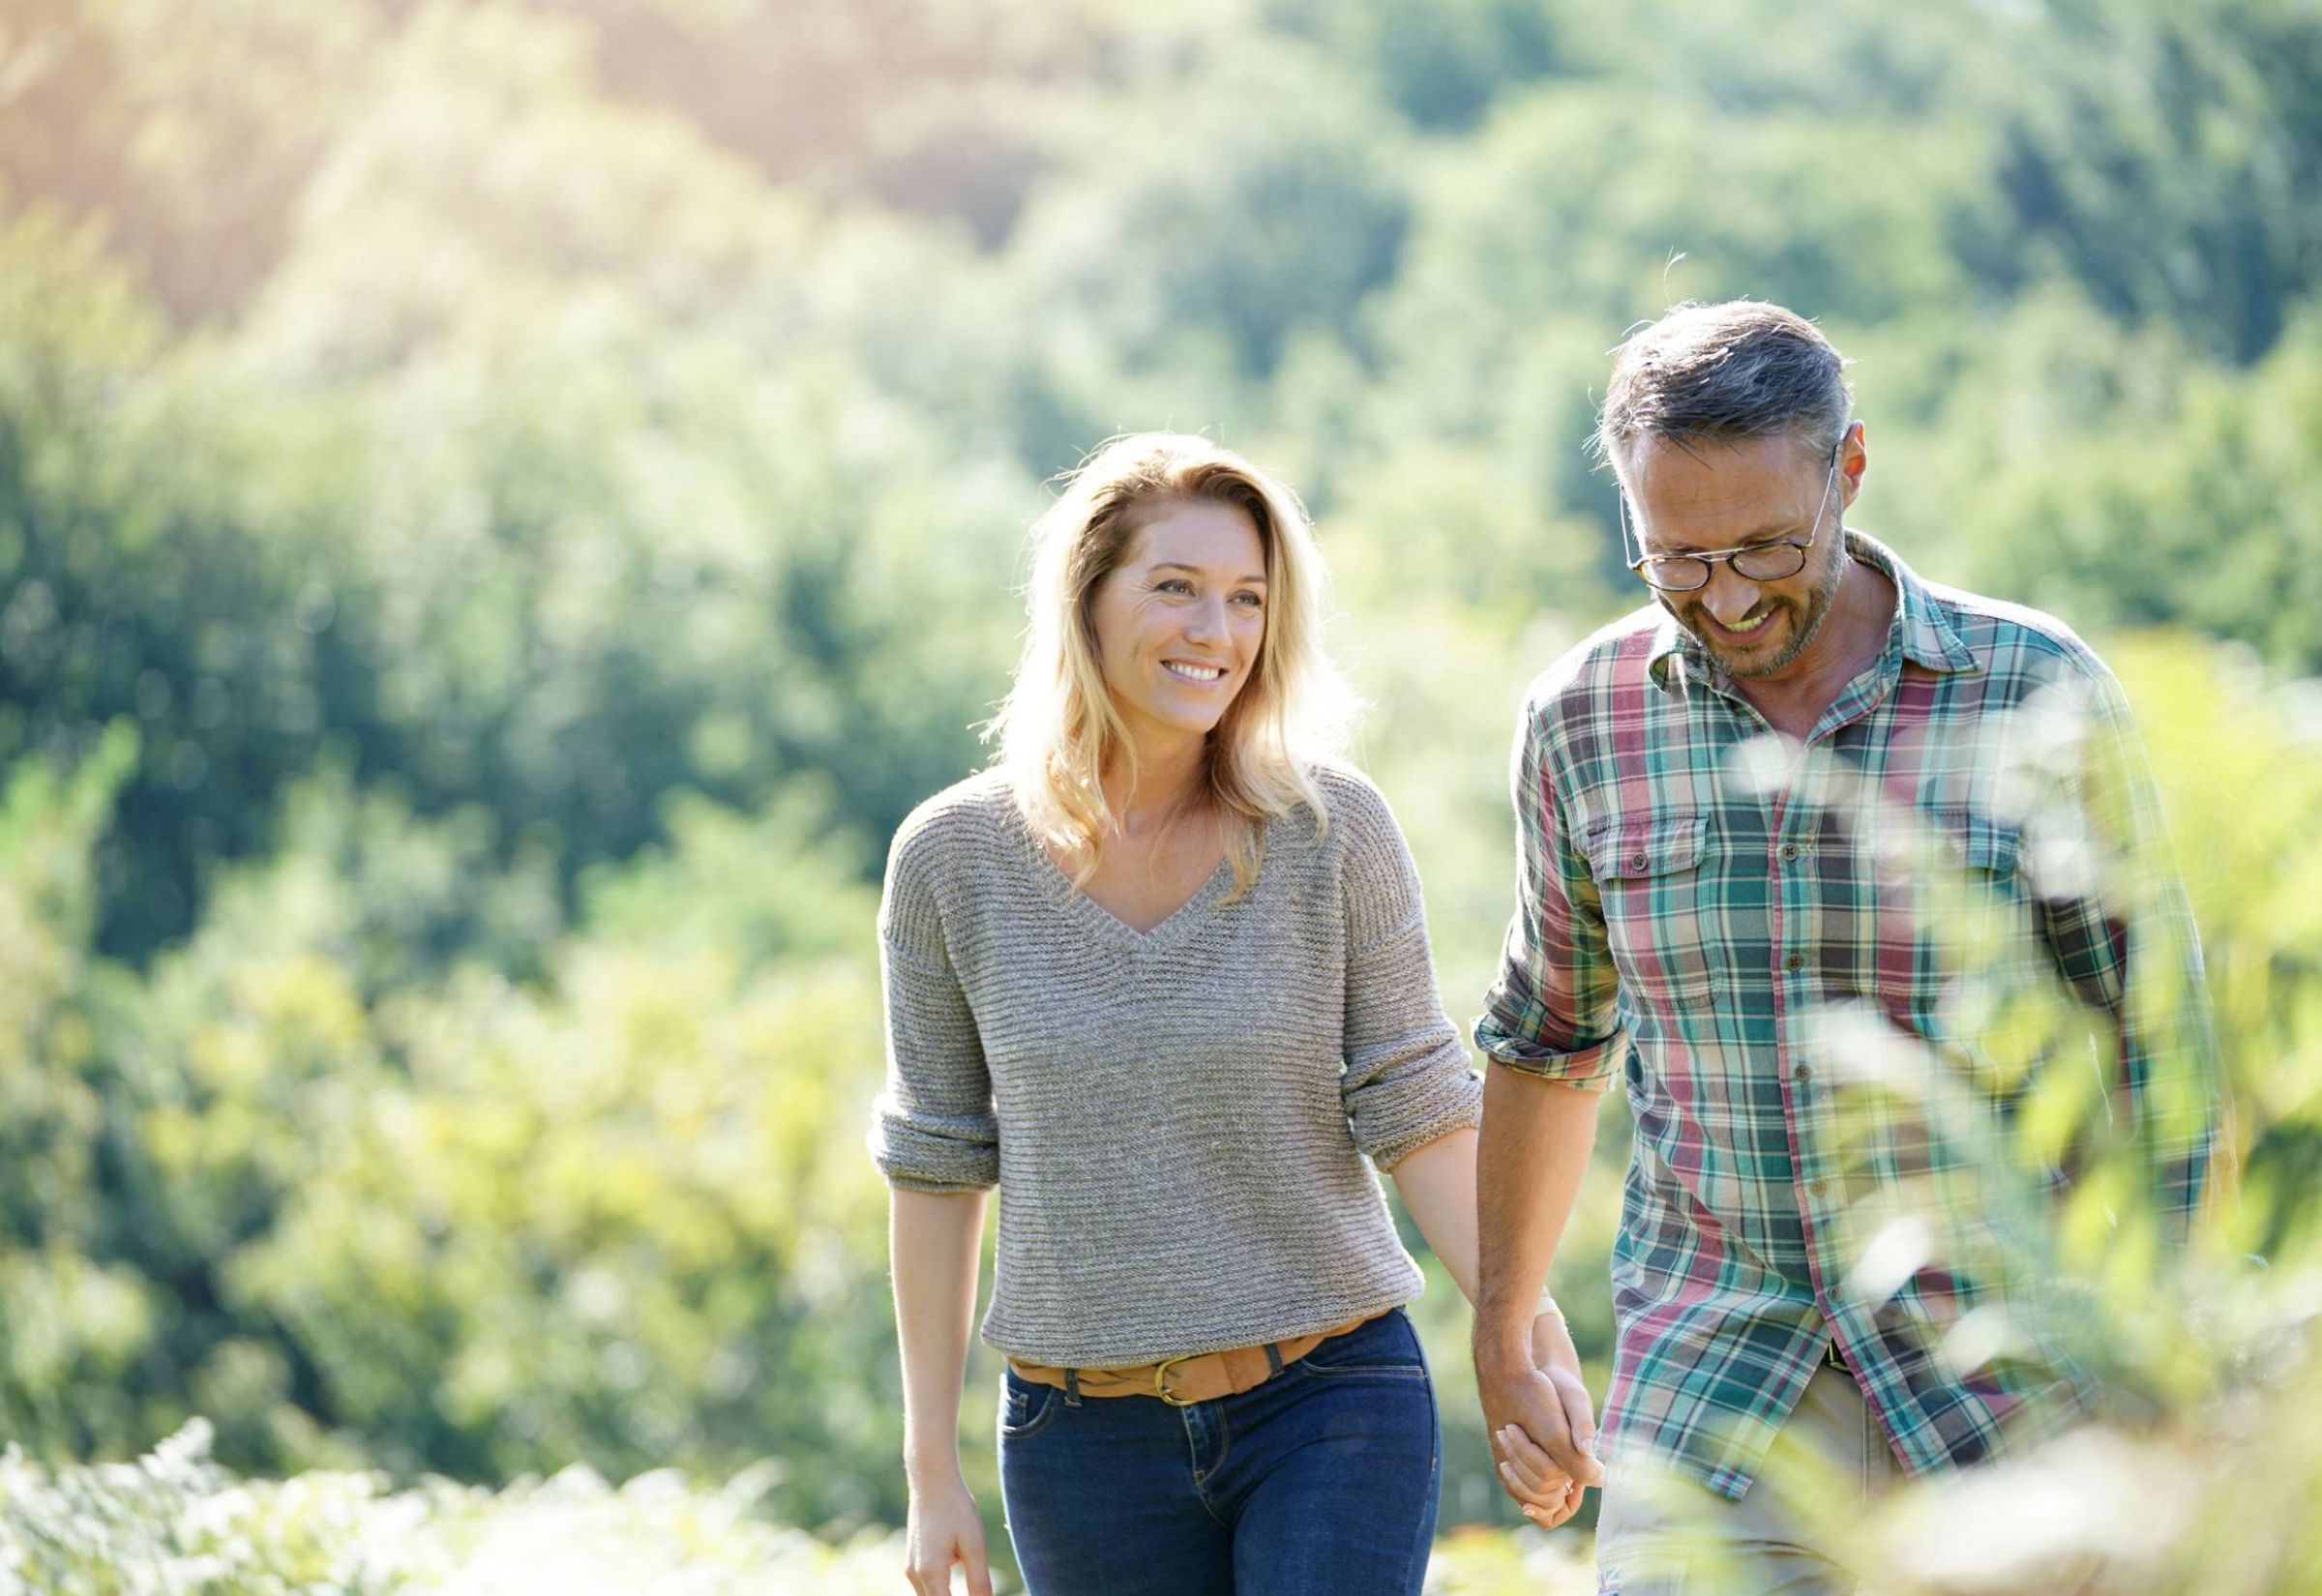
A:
1169,783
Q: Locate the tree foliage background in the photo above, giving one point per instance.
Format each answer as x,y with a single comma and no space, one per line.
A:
504,505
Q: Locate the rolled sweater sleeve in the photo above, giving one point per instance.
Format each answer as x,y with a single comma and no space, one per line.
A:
1407,1080
933,1128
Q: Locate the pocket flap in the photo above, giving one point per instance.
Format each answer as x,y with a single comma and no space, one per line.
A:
1979,842
1642,848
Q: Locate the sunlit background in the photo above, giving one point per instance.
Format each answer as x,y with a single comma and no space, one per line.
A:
504,506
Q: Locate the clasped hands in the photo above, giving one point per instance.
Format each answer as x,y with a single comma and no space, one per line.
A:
1542,1425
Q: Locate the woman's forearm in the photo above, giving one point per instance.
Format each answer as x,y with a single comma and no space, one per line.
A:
1437,1182
934,1241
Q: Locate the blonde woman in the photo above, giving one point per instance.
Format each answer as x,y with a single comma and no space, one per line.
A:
1162,977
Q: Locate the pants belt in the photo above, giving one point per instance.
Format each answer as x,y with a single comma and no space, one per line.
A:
1181,1383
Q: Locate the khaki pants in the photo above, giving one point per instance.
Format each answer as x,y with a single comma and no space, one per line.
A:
1659,1534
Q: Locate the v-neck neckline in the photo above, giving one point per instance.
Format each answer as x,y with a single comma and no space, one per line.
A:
1078,905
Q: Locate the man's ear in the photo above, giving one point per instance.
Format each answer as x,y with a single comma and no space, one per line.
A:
1854,458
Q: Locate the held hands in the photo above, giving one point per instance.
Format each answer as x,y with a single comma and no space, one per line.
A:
944,1528
1543,1426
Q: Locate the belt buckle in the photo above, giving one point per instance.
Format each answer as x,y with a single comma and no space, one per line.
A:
1161,1384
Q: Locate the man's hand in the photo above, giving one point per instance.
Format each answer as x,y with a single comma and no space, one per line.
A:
1542,1425
946,1528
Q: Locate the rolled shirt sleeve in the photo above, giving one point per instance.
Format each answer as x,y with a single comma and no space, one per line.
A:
1551,1011
933,1127
1406,1080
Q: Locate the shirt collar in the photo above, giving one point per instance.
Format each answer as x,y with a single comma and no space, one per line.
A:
1920,628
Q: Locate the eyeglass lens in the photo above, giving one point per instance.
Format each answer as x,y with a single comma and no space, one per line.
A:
1676,574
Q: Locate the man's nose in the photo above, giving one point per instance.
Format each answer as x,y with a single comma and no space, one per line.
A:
1729,594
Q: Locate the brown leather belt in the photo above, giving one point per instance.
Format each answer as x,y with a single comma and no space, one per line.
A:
1181,1383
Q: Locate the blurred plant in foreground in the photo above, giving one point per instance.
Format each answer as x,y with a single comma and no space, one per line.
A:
174,1521
2208,1481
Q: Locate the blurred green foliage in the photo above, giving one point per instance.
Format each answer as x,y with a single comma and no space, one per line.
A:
354,1202
504,505
175,1521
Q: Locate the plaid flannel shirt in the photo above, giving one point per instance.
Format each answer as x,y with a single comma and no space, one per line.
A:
1819,972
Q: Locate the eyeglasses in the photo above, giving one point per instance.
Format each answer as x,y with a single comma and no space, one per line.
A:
1760,562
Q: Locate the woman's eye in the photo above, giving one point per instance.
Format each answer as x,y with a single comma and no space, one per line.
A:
1252,600
1173,584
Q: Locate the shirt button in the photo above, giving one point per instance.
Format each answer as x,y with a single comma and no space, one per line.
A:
1795,961
1804,1072
1817,1186
1790,852
1637,862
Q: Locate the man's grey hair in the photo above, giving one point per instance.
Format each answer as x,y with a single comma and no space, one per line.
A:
1724,372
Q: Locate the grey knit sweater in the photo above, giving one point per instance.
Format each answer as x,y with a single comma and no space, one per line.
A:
1175,1120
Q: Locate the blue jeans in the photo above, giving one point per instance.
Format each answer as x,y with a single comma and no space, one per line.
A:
1322,1480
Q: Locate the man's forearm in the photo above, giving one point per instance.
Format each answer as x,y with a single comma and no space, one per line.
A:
1529,1160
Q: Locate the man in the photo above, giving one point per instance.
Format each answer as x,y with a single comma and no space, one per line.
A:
1787,837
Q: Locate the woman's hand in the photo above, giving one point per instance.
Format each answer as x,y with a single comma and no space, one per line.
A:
946,1528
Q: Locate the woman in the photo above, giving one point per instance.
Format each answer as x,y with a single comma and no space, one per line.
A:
1162,975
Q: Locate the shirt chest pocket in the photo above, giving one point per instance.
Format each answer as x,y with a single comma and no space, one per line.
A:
1962,904
1650,882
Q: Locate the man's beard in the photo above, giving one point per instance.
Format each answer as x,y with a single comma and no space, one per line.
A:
1804,620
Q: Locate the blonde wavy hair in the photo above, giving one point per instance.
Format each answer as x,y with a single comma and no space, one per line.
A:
1058,728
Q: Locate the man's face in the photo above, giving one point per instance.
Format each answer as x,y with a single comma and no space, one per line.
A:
1699,496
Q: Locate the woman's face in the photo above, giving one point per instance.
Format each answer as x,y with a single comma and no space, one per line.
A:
1178,622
